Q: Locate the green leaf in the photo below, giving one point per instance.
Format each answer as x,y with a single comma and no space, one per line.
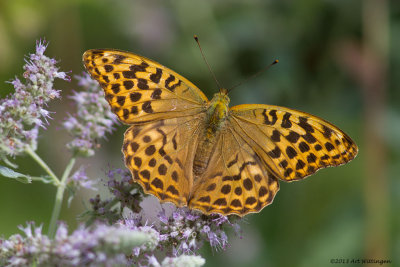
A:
9,163
9,173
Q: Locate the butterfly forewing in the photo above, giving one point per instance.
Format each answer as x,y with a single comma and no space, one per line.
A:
139,89
293,144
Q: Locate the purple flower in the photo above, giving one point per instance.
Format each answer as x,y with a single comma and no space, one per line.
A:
162,216
92,120
24,111
101,245
189,230
185,231
40,48
80,179
180,231
148,230
129,195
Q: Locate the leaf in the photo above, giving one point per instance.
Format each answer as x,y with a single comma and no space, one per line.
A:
46,179
9,163
9,173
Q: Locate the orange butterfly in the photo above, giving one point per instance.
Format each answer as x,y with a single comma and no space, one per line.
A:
193,152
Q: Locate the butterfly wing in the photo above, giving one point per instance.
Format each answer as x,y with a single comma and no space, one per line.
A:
141,90
293,144
259,144
236,181
165,111
160,156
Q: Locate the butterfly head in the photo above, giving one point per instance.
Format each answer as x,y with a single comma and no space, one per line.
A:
223,91
220,99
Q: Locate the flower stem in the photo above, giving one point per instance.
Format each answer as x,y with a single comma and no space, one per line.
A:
59,198
43,164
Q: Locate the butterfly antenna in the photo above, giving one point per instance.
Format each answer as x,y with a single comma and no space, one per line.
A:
208,65
254,75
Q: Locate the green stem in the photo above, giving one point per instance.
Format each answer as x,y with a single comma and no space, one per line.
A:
59,198
43,165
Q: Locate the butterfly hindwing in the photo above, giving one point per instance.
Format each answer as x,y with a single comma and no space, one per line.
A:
160,156
293,144
236,181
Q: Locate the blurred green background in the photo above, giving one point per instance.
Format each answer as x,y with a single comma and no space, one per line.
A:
338,60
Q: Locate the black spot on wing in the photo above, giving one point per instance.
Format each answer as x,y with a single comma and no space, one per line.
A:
292,137
156,94
276,136
169,80
155,77
115,88
233,162
303,123
118,59
121,100
291,152
275,153
327,132
105,78
272,120
142,84
158,183
125,114
129,74
142,67
286,123
174,143
309,138
304,147
128,84
146,107
135,96
108,68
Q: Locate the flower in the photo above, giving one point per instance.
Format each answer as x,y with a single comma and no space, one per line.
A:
92,120
183,232
129,195
24,111
179,231
148,230
80,179
124,193
183,261
187,230
101,245
101,211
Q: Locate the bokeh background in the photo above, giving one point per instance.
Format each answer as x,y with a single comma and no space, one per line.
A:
338,59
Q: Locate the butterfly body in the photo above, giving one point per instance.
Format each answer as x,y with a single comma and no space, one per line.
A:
216,115
185,149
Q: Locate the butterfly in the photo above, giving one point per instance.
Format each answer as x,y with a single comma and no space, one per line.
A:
194,152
